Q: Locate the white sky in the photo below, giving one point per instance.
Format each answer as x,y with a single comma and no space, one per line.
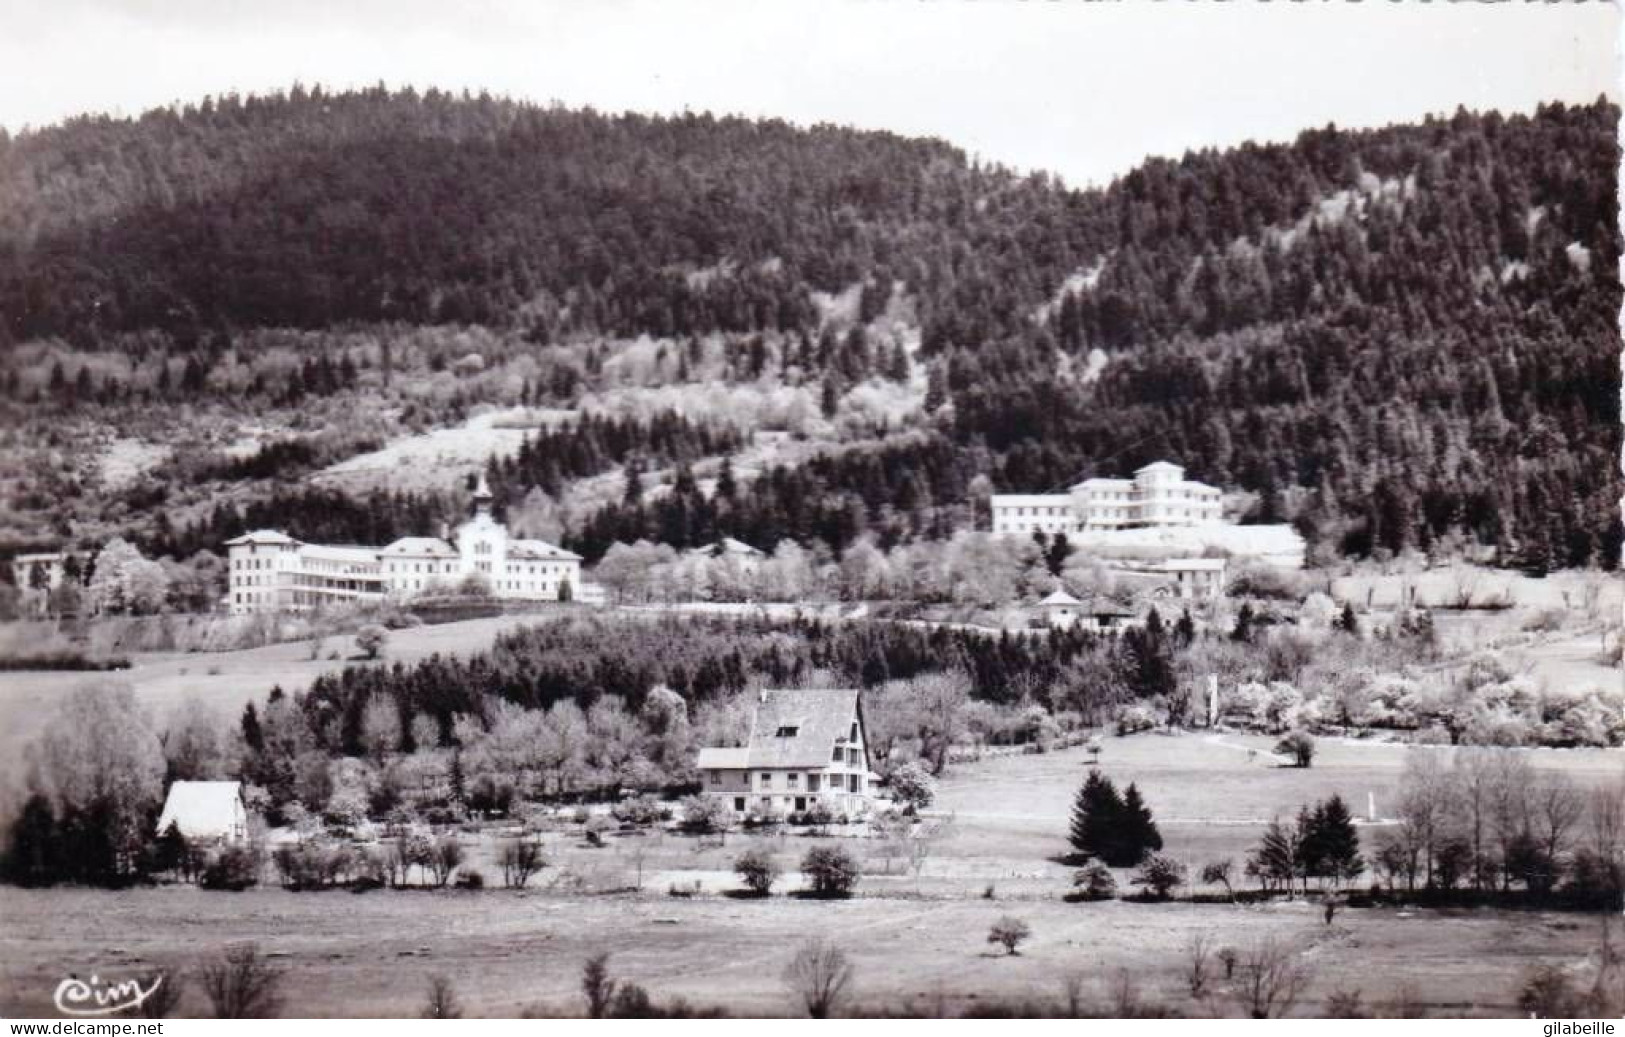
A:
1083,89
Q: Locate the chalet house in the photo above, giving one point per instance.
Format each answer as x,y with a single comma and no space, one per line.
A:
206,812
806,746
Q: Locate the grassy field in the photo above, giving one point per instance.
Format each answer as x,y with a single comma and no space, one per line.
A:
372,955
918,942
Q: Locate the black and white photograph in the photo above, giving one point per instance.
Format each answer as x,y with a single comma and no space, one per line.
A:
889,510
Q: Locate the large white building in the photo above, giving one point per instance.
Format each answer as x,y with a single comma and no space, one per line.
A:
270,571
1158,497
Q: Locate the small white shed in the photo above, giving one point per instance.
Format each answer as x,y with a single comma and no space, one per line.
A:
1061,609
206,811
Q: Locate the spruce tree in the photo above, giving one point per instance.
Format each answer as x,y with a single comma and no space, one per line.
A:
1139,835
1337,841
1096,813
1274,859
1243,631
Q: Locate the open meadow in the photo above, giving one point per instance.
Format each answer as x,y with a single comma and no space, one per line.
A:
916,942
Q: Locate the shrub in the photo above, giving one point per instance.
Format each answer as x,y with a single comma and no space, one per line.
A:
596,828
1010,932
1299,746
1548,994
469,879
912,787
235,868
370,640
241,984
830,870
819,815
1136,718
757,870
1160,875
1094,881
705,815
642,811
765,817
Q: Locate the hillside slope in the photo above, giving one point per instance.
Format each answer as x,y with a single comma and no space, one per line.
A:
1399,339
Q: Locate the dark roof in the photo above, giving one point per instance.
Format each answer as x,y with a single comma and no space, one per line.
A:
819,718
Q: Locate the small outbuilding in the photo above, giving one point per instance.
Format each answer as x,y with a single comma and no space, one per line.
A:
206,811
1061,610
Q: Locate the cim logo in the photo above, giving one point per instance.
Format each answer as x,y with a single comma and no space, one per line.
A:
76,997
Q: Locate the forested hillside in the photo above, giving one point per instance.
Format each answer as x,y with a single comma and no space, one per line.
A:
1399,339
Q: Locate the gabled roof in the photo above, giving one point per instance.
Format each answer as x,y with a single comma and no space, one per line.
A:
819,718
539,549
262,536
420,547
1060,597
203,809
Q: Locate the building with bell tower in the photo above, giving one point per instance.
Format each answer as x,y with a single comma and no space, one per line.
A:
482,541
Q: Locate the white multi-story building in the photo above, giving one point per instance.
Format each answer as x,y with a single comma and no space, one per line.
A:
1159,496
270,571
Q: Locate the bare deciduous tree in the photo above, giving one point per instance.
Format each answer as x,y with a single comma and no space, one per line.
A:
1198,960
164,993
1125,995
1072,994
520,859
597,985
1425,796
442,1000
1220,873
446,856
1556,808
819,975
1269,979
923,843
241,984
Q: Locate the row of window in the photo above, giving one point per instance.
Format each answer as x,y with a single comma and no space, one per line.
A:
792,782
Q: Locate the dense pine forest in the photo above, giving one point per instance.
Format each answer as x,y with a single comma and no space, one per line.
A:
1398,339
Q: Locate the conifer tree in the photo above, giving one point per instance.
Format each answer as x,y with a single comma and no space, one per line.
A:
1139,830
